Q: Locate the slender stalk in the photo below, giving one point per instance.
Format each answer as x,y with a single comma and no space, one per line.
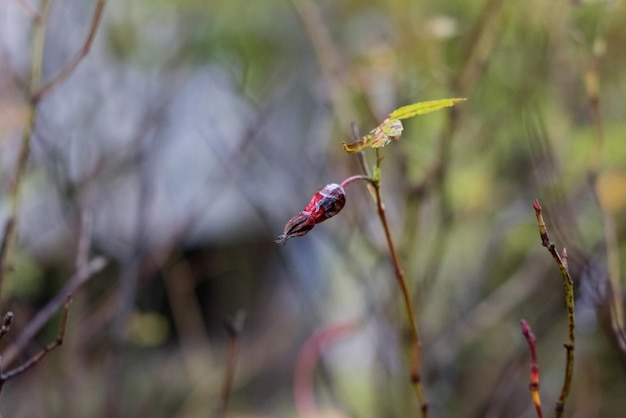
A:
534,367
71,66
10,231
568,284
357,178
35,95
234,330
416,372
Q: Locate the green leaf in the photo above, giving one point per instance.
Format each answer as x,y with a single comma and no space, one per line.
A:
423,107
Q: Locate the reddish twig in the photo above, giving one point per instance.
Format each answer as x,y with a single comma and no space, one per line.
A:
307,359
568,284
27,365
356,178
534,367
71,66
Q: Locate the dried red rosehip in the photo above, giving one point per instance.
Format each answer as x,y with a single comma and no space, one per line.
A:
324,204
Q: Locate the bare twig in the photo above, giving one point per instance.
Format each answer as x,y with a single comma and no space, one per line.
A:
568,284
43,316
234,330
71,66
36,94
4,377
10,232
534,367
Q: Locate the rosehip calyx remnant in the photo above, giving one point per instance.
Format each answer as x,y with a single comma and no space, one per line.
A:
324,204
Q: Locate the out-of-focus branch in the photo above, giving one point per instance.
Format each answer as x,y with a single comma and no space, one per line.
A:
327,56
10,231
616,303
43,316
233,328
534,367
71,66
4,377
568,284
36,93
307,359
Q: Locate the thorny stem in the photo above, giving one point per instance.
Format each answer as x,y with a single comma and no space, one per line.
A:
534,367
568,284
416,373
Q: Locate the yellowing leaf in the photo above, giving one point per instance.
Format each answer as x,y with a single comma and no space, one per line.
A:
378,137
357,146
423,107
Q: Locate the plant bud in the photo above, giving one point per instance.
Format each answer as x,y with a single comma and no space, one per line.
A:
324,204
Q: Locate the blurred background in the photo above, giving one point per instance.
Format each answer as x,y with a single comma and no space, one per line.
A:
193,130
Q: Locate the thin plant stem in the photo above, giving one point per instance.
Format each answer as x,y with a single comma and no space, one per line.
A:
234,330
416,373
10,231
36,93
357,178
71,66
568,285
592,89
534,367
44,314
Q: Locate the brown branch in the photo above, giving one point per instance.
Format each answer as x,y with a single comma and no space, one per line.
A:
416,373
568,284
44,314
71,66
4,377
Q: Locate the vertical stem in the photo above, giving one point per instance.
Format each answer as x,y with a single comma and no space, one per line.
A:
416,373
10,233
568,285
